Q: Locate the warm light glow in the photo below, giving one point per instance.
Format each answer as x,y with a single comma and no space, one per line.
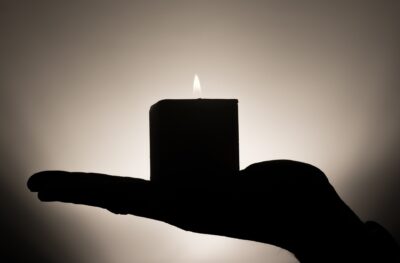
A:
196,86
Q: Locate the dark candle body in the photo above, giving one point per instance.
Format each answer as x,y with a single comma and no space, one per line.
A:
193,140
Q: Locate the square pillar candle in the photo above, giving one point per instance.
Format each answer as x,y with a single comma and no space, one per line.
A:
193,140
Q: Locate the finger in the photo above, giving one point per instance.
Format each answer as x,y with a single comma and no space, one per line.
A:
121,195
62,179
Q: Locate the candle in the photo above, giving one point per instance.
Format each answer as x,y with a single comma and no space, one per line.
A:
193,140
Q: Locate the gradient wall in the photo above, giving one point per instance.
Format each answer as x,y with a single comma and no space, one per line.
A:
317,81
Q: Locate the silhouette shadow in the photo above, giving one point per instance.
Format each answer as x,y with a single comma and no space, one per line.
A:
284,203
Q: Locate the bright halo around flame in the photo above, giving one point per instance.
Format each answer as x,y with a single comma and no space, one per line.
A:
196,86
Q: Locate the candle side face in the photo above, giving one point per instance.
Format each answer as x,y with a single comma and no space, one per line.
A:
192,140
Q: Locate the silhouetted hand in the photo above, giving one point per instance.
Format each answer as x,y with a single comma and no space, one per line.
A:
284,203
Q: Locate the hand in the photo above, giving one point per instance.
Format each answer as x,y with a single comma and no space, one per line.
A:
284,203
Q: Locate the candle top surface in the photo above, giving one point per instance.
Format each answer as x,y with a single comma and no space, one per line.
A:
193,102
197,99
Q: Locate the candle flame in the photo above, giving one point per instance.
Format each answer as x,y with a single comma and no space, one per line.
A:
196,86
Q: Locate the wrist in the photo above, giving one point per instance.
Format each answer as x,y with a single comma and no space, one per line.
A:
382,246
363,242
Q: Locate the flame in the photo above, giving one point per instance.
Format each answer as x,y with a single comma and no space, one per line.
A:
196,86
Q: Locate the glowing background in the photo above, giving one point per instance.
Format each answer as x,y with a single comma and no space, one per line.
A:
316,82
